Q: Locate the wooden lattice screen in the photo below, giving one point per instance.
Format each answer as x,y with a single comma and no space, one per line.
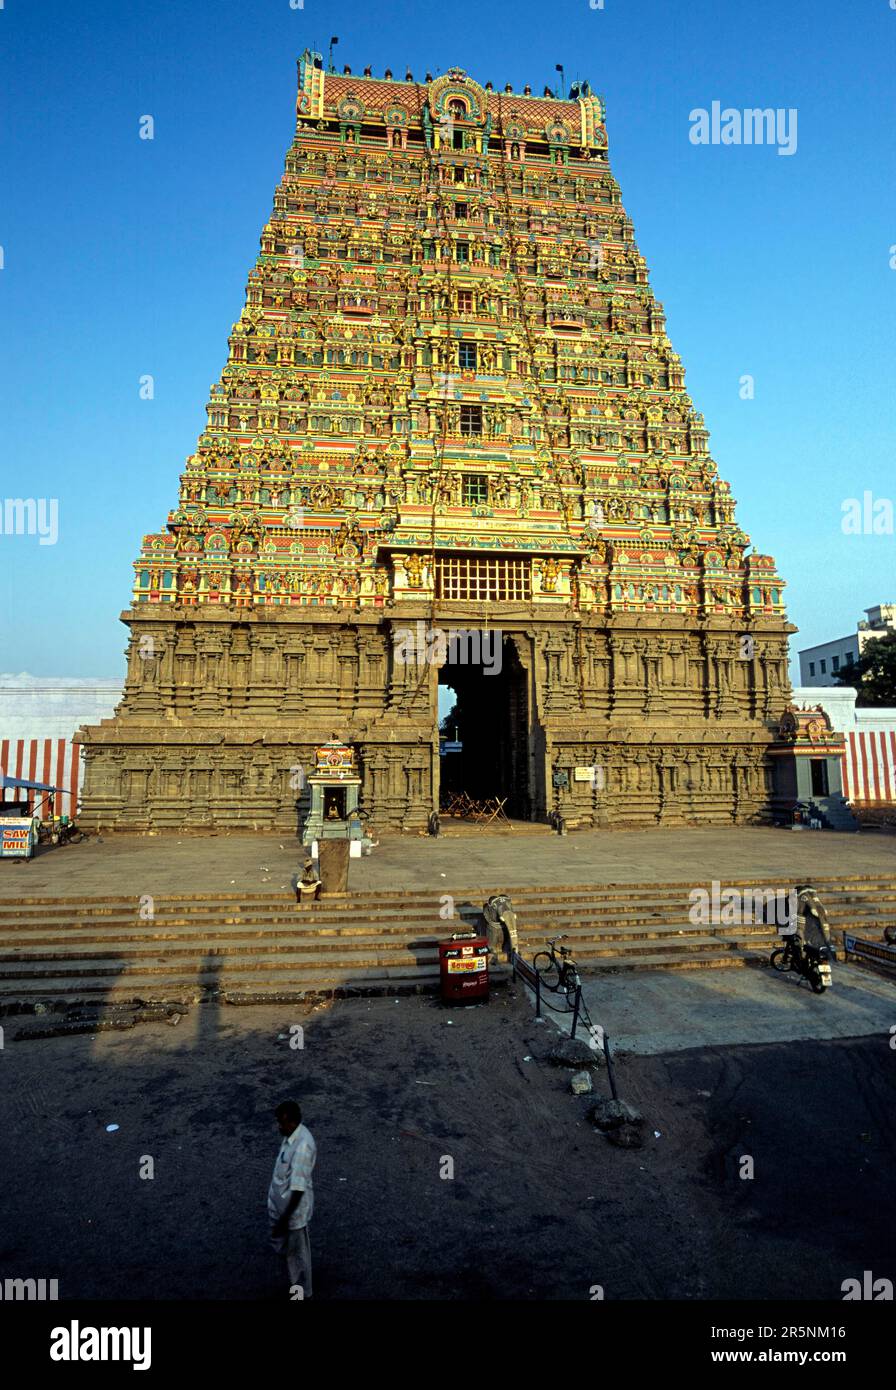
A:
479,579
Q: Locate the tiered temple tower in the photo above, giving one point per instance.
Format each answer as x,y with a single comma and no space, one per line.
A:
449,399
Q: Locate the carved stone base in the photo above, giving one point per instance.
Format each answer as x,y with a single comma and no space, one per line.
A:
220,718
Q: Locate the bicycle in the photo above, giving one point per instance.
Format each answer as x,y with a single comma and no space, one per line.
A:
558,970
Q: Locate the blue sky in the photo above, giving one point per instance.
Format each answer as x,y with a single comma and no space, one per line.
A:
124,257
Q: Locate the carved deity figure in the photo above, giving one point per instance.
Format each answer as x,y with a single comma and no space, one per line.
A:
550,572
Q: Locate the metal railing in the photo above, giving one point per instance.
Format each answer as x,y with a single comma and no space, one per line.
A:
525,970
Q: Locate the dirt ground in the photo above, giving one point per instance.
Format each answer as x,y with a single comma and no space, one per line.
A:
540,1205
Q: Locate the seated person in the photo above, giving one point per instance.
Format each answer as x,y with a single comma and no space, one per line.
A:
308,886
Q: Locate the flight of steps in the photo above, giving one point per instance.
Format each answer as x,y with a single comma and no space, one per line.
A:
242,948
833,812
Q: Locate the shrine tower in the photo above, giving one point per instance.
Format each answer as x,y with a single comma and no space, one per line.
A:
449,400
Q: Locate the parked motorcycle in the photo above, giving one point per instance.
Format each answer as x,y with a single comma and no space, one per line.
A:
807,950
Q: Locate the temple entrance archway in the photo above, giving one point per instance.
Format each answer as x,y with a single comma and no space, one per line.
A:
490,720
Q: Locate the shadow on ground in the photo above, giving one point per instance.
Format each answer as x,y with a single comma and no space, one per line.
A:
540,1205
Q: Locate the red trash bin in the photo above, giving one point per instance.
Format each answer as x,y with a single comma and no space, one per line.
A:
463,968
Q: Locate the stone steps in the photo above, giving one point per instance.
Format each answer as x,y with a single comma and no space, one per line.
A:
286,910
378,900
578,934
573,928
859,883
211,964
698,960
173,985
247,947
315,951
429,905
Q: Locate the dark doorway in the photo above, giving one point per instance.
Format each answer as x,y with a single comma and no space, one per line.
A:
819,770
490,721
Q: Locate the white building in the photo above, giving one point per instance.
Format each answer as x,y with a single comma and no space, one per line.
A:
820,666
38,718
869,759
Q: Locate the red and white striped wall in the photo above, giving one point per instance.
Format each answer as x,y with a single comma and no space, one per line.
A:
869,766
54,761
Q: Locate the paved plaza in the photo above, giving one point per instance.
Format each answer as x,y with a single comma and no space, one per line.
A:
463,859
660,1011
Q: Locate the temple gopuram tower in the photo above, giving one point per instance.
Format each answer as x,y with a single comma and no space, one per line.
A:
449,400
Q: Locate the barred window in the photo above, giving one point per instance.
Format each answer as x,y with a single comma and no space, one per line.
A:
465,301
471,419
475,487
479,579
466,356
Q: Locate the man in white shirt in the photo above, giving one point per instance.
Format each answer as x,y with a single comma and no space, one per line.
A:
291,1196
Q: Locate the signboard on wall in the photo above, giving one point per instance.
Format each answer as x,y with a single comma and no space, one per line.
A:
17,837
877,951
593,775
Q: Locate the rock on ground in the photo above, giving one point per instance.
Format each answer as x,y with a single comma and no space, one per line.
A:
611,1114
574,1052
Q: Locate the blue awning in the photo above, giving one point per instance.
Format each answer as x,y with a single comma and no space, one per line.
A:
30,786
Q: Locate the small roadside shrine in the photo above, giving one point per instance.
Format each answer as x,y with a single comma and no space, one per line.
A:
807,761
335,788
